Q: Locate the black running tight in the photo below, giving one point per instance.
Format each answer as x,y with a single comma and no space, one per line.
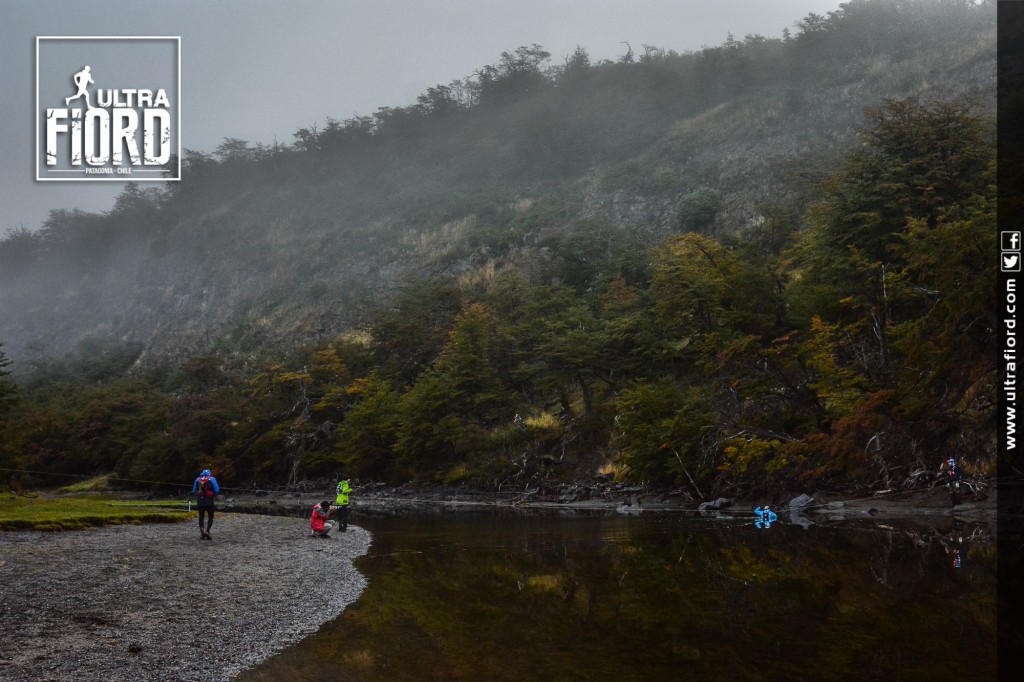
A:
206,510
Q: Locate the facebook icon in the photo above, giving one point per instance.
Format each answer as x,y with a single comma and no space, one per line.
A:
1010,241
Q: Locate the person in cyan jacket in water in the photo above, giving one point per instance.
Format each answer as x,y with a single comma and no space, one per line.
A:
766,517
205,489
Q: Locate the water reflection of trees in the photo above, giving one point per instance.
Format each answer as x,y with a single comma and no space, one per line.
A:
640,600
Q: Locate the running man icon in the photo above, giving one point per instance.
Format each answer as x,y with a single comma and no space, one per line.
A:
83,79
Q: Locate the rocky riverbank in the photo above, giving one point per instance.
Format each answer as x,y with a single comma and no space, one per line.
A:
154,602
978,500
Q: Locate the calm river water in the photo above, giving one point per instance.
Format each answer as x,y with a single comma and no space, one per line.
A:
563,596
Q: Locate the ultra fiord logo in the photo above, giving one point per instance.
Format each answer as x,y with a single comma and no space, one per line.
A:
108,108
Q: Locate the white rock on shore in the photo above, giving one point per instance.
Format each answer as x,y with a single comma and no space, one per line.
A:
155,602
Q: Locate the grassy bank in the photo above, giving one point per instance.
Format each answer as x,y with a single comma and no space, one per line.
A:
52,513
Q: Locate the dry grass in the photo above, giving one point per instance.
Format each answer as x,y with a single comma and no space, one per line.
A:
436,244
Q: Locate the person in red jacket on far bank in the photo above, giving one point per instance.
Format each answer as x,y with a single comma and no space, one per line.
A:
318,525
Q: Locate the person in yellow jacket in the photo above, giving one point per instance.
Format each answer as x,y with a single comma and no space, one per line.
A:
341,503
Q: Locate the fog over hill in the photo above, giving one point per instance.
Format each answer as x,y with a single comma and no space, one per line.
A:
524,167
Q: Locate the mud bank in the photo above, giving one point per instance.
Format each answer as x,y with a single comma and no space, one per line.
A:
154,602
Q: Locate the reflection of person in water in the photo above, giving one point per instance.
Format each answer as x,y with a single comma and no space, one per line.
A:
765,517
83,79
954,545
958,558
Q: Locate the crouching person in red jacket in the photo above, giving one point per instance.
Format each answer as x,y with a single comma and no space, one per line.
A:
318,524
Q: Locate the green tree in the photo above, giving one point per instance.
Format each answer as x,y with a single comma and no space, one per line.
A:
666,434
8,398
453,410
306,406
919,162
893,265
697,210
411,332
704,295
366,437
8,390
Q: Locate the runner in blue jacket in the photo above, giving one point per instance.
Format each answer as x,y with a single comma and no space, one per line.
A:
205,489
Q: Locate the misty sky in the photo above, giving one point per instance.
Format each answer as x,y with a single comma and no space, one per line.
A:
260,70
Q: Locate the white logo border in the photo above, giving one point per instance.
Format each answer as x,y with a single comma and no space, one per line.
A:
126,178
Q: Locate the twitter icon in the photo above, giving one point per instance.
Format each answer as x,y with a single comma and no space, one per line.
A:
1011,262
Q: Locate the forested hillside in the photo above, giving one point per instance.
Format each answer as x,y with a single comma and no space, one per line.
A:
762,264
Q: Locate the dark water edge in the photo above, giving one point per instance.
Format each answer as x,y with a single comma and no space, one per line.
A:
575,596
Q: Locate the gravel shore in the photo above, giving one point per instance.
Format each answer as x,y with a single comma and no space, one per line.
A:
154,602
